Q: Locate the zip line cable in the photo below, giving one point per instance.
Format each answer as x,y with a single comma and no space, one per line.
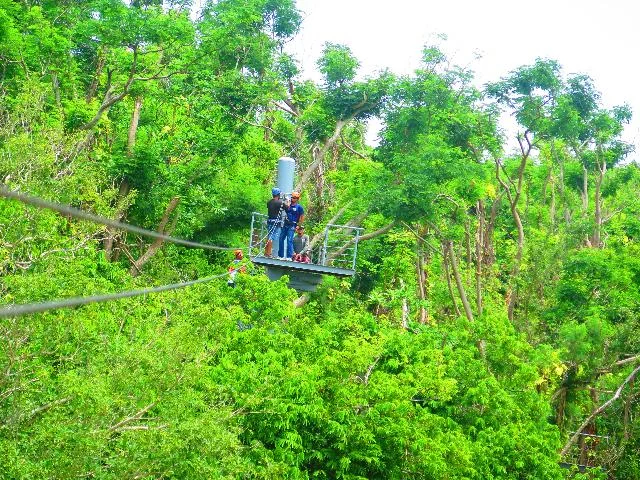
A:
77,213
37,307
28,308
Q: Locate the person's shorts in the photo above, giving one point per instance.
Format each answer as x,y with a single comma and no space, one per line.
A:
273,229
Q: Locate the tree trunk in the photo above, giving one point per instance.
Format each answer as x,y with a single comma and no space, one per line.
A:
331,187
562,402
585,190
123,191
489,253
55,84
329,142
318,156
125,187
405,308
565,208
445,263
320,235
301,301
480,344
552,207
627,411
514,197
405,314
320,188
95,82
133,126
157,244
513,297
422,280
110,98
268,124
458,279
597,198
362,238
479,244
545,185
467,240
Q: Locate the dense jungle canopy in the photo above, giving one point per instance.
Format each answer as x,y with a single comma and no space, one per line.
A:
491,330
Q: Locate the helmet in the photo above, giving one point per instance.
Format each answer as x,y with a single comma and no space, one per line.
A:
238,253
295,195
275,191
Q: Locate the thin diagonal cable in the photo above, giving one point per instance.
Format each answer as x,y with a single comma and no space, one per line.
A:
269,232
77,213
29,308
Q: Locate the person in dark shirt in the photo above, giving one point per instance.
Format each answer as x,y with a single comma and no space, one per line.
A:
301,246
295,217
276,214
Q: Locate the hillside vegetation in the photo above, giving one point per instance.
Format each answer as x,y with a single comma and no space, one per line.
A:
490,331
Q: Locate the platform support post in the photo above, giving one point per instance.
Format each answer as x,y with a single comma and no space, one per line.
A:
324,247
253,217
355,250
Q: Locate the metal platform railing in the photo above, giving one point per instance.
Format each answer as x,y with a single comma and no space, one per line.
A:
337,246
590,451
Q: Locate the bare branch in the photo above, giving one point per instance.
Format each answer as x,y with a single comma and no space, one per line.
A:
598,411
619,363
301,300
249,122
362,238
445,263
333,220
285,109
627,360
505,187
340,124
351,149
365,379
165,228
424,241
319,157
136,416
608,218
8,392
109,98
140,427
47,406
376,233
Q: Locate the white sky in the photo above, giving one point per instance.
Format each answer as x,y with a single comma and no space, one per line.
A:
598,38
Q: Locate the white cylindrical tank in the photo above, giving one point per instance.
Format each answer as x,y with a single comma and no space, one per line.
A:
286,172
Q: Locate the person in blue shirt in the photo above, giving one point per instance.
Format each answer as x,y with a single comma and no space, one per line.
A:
295,217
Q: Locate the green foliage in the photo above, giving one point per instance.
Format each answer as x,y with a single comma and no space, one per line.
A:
602,284
433,146
337,64
530,91
141,112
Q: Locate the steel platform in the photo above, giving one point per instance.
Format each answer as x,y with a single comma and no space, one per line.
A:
302,267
